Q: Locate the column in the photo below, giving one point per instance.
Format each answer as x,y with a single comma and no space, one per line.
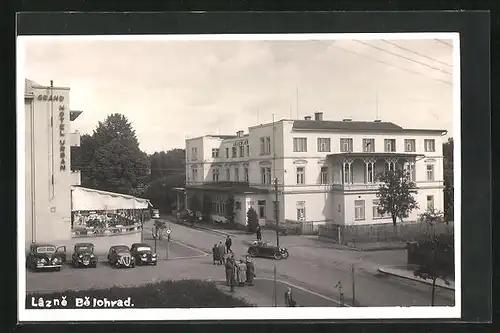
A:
373,171
367,179
342,173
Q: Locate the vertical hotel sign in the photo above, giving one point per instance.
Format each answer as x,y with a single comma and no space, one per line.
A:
62,129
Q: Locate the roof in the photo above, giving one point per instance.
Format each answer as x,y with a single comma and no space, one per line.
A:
42,244
236,187
356,126
73,114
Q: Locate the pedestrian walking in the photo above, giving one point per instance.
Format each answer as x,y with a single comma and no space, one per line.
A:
289,302
259,233
250,271
241,273
222,253
216,254
229,271
229,243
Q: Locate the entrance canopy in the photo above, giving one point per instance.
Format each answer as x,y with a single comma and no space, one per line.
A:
86,199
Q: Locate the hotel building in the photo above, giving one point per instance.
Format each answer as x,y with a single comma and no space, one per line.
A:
326,170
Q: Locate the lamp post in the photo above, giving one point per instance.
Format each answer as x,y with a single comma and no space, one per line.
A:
276,194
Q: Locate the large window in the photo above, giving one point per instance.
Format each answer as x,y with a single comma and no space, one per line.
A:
390,145
430,145
369,173
242,151
245,174
237,174
265,145
346,145
228,174
268,145
262,208
324,145
430,202
300,145
324,175
233,151
195,174
215,174
215,152
227,152
368,145
430,172
410,145
194,153
376,213
301,210
301,175
359,210
265,175
248,150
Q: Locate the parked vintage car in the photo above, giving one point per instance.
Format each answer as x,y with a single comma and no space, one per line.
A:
155,213
83,255
143,254
46,256
267,249
120,256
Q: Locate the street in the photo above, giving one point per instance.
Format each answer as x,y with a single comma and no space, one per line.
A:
313,271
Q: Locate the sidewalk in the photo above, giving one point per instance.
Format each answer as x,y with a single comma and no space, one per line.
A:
372,246
405,273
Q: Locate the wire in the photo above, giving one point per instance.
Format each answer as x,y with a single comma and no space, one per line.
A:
440,41
416,53
391,65
400,56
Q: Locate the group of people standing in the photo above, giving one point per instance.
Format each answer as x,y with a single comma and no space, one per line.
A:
239,273
220,252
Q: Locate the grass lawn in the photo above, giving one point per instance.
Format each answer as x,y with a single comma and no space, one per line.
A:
165,294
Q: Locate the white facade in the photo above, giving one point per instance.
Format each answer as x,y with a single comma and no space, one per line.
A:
48,171
326,170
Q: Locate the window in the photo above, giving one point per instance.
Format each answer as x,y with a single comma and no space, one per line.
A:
301,210
410,145
347,174
265,175
262,146
376,213
301,175
237,205
228,174
368,145
359,210
245,174
369,171
227,152
409,169
324,145
237,174
262,208
242,151
215,175
430,172
300,145
390,145
268,145
346,145
430,202
248,150
324,175
195,174
430,145
215,152
234,152
194,153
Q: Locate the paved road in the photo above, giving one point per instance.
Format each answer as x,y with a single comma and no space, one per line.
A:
321,268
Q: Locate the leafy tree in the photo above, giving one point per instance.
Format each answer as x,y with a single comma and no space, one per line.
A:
81,157
396,195
448,179
253,219
439,260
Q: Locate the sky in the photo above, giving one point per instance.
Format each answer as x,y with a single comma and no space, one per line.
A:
175,89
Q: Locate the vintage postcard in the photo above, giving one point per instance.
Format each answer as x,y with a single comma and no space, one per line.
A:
239,177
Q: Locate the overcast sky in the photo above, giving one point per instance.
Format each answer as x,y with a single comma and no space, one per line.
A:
170,90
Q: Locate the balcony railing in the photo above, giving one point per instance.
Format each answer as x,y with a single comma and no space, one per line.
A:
356,186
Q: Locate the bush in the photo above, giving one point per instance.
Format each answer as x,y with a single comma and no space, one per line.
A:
253,219
434,256
165,294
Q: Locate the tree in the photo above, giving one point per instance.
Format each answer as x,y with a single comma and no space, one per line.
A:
253,219
230,209
396,195
81,157
448,179
439,261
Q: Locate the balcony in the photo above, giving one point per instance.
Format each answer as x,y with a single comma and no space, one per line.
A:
74,139
75,177
356,186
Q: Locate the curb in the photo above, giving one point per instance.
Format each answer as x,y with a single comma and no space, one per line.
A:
416,279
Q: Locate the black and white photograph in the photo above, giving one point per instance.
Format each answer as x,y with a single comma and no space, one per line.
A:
239,177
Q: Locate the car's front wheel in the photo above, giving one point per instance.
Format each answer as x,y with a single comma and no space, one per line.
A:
285,254
277,255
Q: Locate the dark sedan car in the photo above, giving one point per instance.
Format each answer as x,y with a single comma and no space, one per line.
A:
266,249
83,255
120,256
46,256
143,254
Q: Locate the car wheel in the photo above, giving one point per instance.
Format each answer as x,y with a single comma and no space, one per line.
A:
285,254
277,255
58,269
154,264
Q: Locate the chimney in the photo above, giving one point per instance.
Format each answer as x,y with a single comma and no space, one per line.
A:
377,121
239,134
347,119
307,118
318,116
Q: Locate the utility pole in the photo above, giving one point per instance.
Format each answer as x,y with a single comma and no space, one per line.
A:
276,204
353,286
275,291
